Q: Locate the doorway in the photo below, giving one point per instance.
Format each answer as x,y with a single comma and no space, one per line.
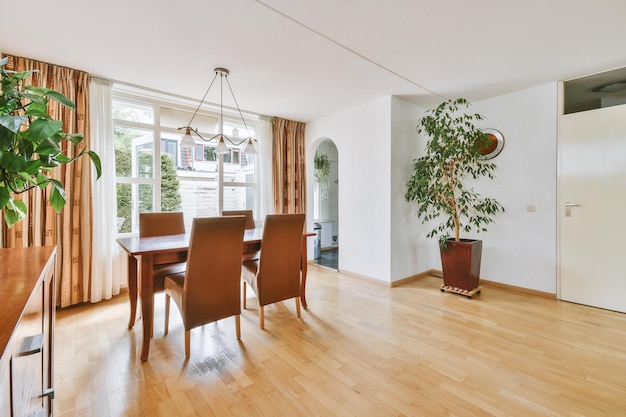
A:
326,204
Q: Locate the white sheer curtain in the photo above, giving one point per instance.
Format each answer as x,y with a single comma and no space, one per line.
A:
264,137
108,261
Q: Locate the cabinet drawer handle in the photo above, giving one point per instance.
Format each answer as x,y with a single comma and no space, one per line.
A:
32,345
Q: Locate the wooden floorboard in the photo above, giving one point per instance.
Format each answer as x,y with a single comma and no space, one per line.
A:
360,349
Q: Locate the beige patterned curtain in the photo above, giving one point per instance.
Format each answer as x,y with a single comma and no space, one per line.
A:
288,166
70,230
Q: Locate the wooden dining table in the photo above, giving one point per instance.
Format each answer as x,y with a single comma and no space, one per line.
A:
146,252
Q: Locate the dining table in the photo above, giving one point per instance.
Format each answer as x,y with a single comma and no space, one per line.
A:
146,252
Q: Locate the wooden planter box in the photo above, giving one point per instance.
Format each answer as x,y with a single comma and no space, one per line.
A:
460,262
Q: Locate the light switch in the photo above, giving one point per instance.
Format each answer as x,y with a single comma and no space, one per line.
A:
531,208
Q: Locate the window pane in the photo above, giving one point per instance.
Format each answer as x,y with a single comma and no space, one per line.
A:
170,184
131,200
199,153
238,198
174,118
134,150
170,147
240,132
241,170
198,194
124,208
133,111
189,179
209,154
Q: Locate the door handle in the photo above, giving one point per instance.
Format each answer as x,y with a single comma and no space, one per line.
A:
568,208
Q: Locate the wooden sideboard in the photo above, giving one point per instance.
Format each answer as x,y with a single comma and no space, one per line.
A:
27,308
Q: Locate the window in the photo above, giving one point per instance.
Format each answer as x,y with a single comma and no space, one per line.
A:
205,153
154,173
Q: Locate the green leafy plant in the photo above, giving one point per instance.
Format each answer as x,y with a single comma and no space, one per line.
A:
31,143
321,165
451,156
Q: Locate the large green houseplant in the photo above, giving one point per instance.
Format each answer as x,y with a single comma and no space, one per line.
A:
31,143
438,185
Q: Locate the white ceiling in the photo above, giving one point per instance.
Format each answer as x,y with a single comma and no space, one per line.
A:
304,59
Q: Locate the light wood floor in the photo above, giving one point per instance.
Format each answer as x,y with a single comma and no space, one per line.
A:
361,349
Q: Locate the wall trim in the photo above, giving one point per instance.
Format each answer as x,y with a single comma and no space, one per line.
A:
421,275
363,277
439,274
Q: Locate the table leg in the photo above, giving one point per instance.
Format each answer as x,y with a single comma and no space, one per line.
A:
303,268
132,289
147,303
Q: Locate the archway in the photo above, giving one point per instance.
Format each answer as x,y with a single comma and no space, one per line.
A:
326,204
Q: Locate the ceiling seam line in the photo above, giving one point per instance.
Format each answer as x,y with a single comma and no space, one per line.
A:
371,61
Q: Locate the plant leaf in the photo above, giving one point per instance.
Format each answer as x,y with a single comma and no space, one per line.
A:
5,196
48,147
41,129
13,123
58,197
14,212
61,99
12,163
75,138
96,163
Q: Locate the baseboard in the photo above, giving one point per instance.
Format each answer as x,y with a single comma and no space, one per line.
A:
412,278
515,288
439,274
363,277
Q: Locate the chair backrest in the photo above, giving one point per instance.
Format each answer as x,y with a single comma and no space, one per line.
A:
213,275
248,213
161,224
278,276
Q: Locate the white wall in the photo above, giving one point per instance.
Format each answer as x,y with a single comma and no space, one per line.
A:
521,248
411,252
362,136
382,237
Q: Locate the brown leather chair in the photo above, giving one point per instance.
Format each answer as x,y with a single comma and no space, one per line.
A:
209,289
162,224
251,250
275,276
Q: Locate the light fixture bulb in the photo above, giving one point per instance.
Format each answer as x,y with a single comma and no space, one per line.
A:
221,146
187,141
249,149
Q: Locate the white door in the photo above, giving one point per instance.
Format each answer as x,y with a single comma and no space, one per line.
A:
592,208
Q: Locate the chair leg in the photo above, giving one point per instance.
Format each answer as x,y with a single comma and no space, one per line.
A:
187,342
238,326
167,314
298,306
262,317
243,291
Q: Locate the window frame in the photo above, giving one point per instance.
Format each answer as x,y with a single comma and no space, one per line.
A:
119,93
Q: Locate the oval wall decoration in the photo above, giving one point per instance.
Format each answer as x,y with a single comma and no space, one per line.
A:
496,143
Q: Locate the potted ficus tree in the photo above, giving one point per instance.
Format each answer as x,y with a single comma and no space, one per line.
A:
438,186
31,143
